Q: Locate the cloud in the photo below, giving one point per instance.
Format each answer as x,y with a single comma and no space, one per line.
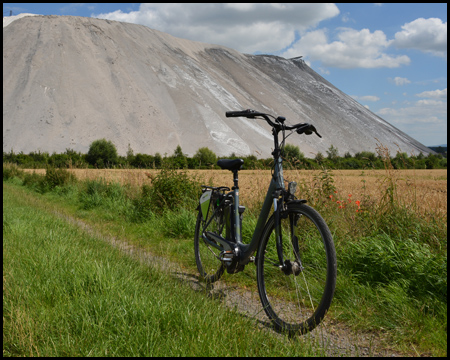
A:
422,111
424,120
366,98
248,28
353,49
427,35
434,94
399,81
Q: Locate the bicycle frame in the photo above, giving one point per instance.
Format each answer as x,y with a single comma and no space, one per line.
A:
243,251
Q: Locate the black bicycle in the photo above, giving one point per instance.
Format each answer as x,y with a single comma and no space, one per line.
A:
295,254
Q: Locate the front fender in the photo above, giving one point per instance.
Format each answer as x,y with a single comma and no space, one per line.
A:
296,202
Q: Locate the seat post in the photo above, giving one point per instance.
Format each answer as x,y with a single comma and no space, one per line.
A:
235,179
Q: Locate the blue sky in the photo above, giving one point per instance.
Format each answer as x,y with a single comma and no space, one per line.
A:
392,58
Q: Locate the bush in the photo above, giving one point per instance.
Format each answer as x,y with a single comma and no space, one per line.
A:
11,170
293,155
173,190
205,157
58,177
102,153
36,182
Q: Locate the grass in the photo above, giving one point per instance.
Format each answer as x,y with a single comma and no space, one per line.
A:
392,260
67,293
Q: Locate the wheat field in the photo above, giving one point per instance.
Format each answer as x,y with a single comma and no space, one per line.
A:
426,190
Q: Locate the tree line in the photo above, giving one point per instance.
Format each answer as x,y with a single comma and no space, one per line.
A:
103,154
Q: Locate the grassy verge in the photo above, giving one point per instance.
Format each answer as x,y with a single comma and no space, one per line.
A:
392,262
66,293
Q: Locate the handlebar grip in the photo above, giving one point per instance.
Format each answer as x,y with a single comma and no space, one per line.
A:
245,113
233,113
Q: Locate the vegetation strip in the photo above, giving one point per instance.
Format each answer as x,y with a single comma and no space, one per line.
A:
103,154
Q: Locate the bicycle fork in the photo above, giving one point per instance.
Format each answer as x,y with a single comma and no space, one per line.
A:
287,266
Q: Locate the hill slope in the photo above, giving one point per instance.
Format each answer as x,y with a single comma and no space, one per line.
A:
68,81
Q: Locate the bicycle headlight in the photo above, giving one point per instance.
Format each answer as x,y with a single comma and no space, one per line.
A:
292,187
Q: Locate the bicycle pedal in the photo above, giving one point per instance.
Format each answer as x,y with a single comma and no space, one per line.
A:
227,256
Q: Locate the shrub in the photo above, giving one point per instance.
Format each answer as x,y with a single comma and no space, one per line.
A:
173,190
143,161
36,182
11,170
205,157
293,155
58,177
102,153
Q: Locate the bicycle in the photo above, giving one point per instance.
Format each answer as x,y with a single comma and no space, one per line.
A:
295,255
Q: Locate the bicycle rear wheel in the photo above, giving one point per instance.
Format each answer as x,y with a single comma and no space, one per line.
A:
207,257
297,297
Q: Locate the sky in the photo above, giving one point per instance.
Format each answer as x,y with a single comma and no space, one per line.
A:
391,58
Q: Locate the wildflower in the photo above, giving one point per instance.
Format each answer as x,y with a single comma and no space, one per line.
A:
357,202
349,195
338,202
331,196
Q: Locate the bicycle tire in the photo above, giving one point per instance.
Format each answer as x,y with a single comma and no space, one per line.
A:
297,303
209,266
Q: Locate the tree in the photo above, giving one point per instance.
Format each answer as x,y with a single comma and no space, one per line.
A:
205,157
332,153
319,158
179,160
292,154
143,161
158,160
130,154
102,153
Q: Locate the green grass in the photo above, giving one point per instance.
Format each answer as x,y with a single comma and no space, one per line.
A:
392,264
67,293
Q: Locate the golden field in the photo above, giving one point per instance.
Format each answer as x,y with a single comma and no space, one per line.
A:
424,189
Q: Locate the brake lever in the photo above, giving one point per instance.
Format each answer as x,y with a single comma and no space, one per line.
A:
308,130
314,129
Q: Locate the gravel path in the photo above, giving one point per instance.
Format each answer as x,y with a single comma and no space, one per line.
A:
335,339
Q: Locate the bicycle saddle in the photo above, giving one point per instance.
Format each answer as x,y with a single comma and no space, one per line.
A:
232,165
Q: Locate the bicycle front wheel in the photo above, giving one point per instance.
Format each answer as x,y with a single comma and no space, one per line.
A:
296,296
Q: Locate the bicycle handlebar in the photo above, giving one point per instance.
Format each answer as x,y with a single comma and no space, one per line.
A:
301,128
